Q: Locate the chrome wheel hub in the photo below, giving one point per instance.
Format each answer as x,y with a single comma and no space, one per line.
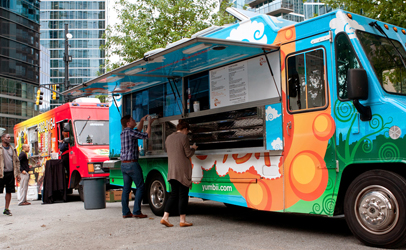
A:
376,209
157,194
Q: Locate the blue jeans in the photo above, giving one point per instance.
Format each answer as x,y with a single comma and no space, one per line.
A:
132,172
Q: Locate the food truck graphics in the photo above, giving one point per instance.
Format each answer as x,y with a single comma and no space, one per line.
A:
289,117
87,124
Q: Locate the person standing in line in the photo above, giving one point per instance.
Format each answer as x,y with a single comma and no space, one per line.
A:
179,172
24,169
9,168
130,167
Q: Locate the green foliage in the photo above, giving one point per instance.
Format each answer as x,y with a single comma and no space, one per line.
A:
150,24
102,98
389,11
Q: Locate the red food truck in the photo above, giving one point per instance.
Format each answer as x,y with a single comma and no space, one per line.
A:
87,143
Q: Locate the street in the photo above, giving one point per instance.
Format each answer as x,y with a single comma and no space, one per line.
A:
69,226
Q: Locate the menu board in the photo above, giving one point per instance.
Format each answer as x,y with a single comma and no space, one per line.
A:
229,85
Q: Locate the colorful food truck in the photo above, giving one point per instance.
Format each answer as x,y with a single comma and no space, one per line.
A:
288,117
88,128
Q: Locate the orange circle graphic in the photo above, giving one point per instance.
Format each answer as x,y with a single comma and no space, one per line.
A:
288,34
308,175
258,195
323,127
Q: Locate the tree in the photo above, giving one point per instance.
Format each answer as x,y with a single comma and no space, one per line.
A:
102,98
151,24
389,11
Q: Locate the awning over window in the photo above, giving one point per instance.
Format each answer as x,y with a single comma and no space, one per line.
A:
184,59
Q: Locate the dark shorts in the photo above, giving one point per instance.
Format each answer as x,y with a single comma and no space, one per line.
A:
8,181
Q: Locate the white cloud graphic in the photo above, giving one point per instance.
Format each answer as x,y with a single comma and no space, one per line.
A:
222,168
277,144
343,23
271,114
249,32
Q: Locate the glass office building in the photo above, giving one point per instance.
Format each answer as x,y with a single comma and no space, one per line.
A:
287,9
86,22
45,78
19,61
315,8
294,10
239,4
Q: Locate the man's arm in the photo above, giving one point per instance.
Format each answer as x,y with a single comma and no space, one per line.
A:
141,123
149,127
17,170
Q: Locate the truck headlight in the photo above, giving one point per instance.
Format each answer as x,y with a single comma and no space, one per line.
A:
94,167
97,167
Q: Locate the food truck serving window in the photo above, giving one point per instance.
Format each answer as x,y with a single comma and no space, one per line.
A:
92,132
238,83
159,101
306,80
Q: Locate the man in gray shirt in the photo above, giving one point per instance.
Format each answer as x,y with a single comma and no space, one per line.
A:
9,169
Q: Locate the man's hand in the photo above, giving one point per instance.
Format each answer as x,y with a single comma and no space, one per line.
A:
144,118
194,146
24,172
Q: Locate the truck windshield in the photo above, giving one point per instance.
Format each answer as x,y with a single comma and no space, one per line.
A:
386,61
94,133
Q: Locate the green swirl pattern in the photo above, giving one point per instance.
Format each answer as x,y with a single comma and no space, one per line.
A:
376,121
388,152
344,111
327,206
367,146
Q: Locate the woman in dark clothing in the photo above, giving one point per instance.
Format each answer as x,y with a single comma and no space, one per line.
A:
179,172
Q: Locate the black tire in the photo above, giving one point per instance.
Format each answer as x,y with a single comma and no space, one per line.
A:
374,209
232,206
157,195
80,190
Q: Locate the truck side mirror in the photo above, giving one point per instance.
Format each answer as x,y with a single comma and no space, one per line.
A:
66,127
357,84
357,89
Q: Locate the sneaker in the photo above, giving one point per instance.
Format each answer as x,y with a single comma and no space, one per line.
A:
7,212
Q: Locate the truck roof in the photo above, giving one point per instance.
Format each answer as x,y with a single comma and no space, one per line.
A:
71,106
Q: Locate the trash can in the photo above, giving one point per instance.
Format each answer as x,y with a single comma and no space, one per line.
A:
94,193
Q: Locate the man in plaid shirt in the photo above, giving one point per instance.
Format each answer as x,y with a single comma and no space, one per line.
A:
130,167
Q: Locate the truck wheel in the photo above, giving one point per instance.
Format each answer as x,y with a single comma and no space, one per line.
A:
157,195
375,209
80,189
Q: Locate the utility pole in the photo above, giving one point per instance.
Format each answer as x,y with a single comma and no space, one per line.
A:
66,57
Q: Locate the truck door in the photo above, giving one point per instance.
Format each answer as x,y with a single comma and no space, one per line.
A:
65,155
309,156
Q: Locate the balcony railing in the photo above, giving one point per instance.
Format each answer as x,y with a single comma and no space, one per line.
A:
275,8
